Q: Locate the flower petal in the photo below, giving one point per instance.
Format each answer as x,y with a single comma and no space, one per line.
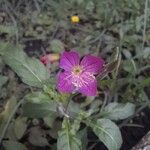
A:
69,59
63,82
90,89
92,64
89,84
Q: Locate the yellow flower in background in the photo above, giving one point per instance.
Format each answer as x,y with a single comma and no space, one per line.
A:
75,19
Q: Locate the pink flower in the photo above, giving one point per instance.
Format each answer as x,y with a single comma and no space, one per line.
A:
79,75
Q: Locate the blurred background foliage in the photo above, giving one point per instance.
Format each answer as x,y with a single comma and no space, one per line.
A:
43,26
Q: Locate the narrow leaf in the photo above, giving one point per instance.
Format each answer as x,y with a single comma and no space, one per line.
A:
119,111
66,139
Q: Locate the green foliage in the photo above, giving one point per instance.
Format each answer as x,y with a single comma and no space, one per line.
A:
39,110
12,145
129,66
82,135
56,46
67,140
37,137
4,116
31,71
104,27
144,83
20,127
39,105
118,111
107,132
11,30
38,97
3,80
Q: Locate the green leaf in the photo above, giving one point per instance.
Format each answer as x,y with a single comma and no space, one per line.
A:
3,80
146,53
56,127
145,82
39,110
67,140
50,120
10,133
39,105
1,64
108,133
20,127
37,137
73,109
90,6
119,111
11,30
56,45
130,66
12,145
82,135
30,70
3,47
4,116
127,54
37,97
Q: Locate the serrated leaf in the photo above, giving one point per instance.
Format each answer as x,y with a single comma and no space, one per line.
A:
66,139
30,70
119,111
12,145
108,133
56,45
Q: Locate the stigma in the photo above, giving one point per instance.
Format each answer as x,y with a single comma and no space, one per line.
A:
77,70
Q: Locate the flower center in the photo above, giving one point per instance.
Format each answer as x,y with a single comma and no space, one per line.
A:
77,70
